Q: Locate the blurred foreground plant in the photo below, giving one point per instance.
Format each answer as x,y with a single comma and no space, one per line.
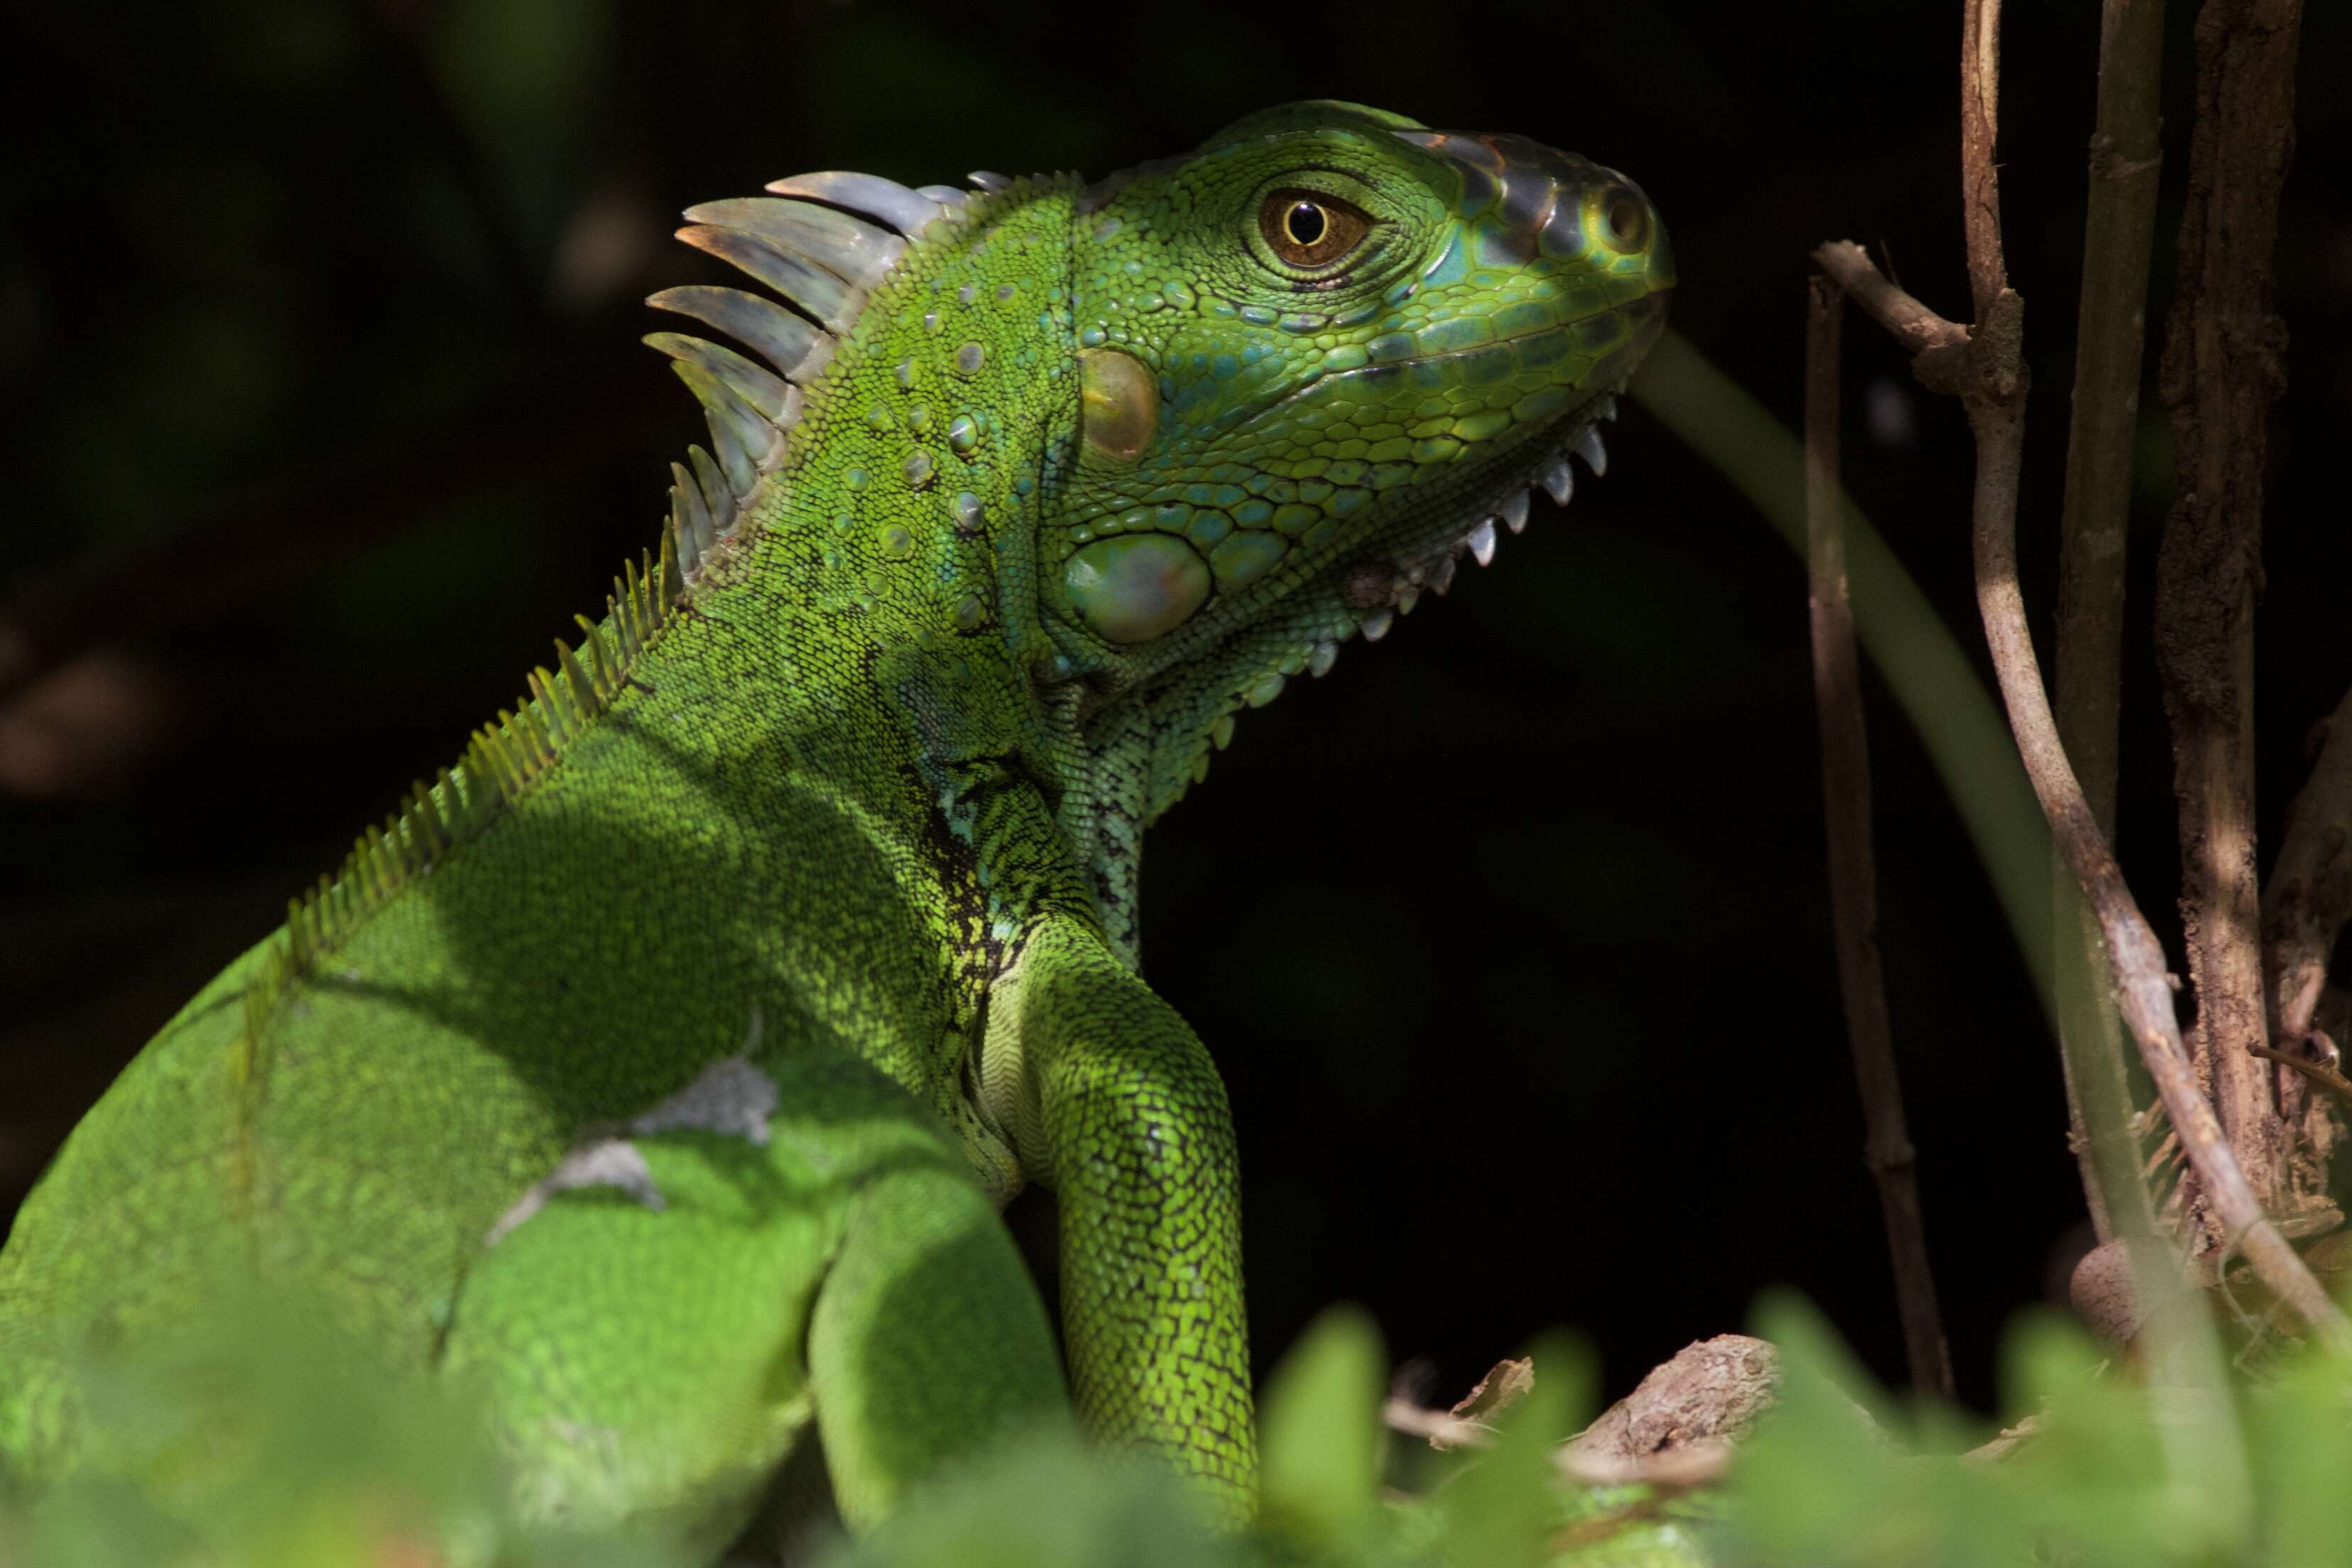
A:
273,1450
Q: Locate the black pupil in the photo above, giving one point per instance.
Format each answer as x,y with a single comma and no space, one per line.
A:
1305,223
1623,219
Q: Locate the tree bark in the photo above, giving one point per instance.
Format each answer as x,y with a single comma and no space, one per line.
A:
2224,361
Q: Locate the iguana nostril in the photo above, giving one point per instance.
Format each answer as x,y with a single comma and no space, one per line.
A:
1627,221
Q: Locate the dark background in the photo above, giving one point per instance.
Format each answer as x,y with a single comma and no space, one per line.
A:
1512,938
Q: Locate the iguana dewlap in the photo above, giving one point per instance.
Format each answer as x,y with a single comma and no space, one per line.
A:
658,1062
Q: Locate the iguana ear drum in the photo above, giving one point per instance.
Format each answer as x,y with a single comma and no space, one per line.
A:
1132,589
1119,405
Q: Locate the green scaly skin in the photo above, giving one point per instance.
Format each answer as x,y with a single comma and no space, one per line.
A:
855,768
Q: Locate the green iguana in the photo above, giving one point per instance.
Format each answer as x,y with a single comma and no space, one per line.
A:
657,1067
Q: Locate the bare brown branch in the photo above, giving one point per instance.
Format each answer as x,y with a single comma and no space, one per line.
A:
2145,992
2119,235
1676,1430
1979,173
1915,326
1440,1429
1681,1422
1994,400
2223,363
1853,890
2004,1443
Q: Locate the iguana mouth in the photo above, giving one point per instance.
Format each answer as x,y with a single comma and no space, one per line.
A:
1525,191
1388,583
1382,588
1384,585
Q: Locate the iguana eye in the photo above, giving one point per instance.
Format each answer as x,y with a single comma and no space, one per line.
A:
1307,228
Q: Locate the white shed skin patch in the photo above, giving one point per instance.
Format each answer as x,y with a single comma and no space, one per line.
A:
731,1097
607,1162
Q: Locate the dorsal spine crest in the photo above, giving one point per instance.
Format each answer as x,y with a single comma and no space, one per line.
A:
752,412
502,761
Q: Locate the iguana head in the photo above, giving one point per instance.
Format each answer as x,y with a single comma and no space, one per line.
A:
1319,361
1319,355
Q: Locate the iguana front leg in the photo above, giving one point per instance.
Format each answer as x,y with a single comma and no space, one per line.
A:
1113,1103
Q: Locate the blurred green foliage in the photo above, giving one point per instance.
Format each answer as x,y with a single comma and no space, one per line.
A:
2110,1473
260,1442
270,1448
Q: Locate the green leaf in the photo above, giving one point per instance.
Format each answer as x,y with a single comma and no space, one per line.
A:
2303,1452
1047,1503
1320,1429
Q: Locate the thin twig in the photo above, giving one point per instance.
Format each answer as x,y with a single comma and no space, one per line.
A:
2004,1443
2118,242
1915,326
2224,360
1979,173
2322,1073
1853,890
2119,235
1440,1429
2144,989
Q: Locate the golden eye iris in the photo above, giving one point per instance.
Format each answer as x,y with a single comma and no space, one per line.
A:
1307,228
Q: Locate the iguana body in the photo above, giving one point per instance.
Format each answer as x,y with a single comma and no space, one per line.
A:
1055,481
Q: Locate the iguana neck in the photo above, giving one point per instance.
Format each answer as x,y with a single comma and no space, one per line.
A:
904,520
907,515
